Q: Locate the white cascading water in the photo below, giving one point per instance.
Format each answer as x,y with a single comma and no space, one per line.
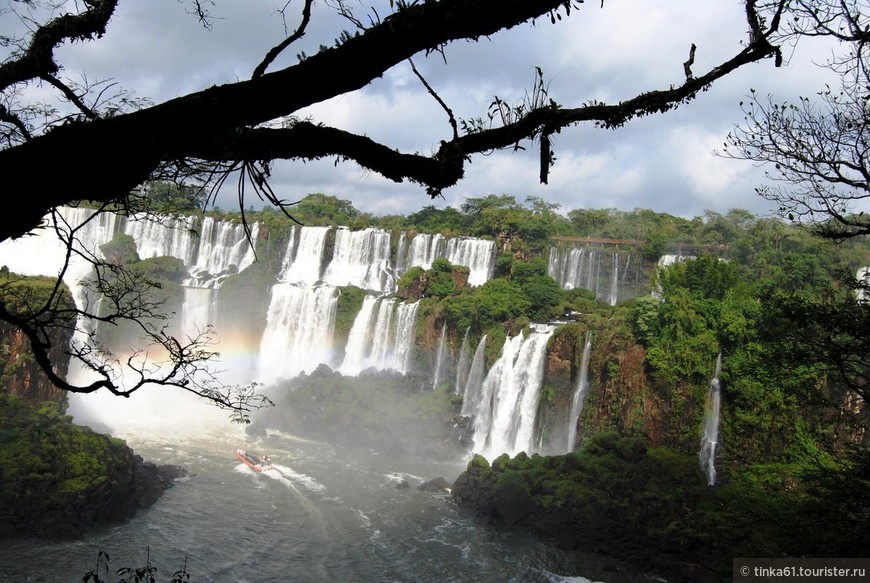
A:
710,437
424,249
579,393
198,311
381,336
361,258
512,387
301,316
582,268
614,279
304,255
224,249
298,333
440,357
463,363
476,254
163,237
42,253
471,398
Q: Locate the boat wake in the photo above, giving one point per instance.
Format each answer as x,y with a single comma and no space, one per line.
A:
290,476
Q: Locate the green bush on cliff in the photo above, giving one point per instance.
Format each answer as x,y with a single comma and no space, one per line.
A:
350,300
48,464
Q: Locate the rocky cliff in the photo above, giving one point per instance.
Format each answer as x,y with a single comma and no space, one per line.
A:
56,478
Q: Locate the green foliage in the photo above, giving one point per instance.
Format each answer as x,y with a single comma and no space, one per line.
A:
504,263
121,250
168,197
321,209
412,275
350,300
441,279
49,465
522,271
544,295
161,269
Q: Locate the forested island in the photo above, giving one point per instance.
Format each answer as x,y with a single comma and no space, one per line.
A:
629,350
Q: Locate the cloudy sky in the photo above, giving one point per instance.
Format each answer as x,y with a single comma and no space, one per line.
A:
664,163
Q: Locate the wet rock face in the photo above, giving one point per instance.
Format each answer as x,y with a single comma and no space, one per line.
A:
21,375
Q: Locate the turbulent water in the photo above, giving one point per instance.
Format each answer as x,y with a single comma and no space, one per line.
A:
324,514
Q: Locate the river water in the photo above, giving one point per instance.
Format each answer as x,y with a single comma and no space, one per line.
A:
324,514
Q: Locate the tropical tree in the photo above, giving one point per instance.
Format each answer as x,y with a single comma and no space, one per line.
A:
816,148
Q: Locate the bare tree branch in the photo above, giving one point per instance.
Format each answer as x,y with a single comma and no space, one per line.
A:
276,50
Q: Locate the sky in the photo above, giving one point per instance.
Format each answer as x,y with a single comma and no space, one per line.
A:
608,52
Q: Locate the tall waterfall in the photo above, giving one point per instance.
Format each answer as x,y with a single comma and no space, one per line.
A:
298,333
362,259
463,362
614,279
594,270
381,336
478,255
471,394
710,438
440,357
424,249
303,258
42,252
504,417
224,250
579,393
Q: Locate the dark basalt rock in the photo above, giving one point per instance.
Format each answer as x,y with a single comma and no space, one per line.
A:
435,485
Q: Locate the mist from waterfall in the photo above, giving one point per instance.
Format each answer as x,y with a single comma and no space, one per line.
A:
440,357
710,437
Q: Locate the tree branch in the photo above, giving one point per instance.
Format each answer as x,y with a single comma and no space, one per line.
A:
276,50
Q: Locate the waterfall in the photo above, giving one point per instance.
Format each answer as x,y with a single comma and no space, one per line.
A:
43,253
424,249
709,440
579,393
462,364
163,236
304,255
476,254
589,269
439,359
402,253
362,259
614,278
224,249
512,387
298,333
574,268
471,395
382,336
198,311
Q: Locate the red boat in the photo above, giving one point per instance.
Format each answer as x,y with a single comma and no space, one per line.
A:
258,463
